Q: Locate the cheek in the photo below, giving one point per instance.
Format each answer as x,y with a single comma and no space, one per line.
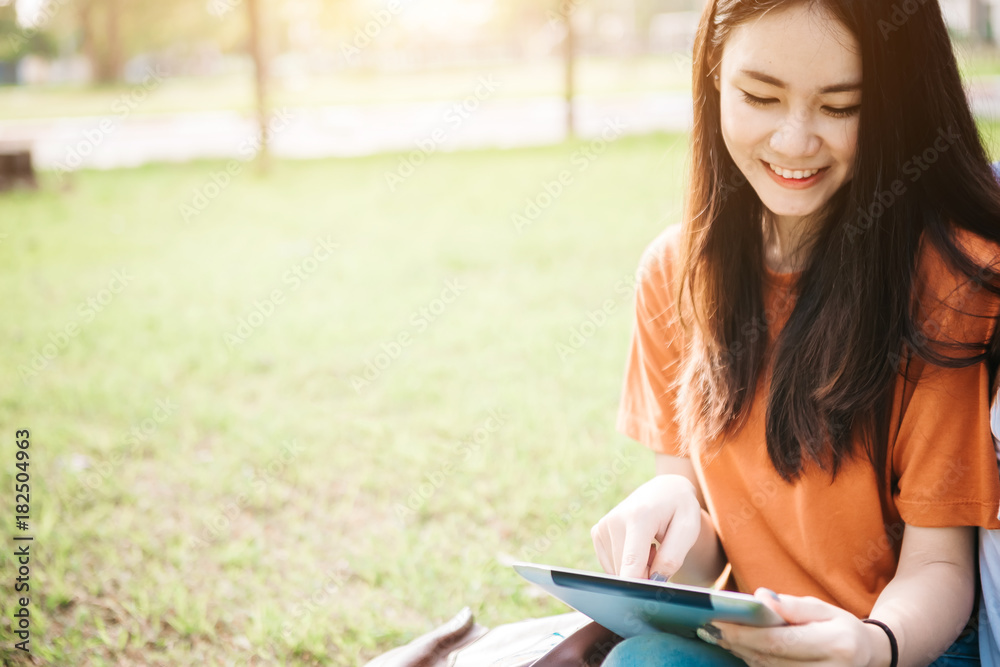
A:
743,129
846,145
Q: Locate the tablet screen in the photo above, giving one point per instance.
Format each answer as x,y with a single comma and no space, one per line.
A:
630,607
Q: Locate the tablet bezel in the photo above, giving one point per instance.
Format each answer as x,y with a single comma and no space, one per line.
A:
630,607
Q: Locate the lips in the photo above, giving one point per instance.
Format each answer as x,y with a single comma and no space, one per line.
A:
795,183
797,174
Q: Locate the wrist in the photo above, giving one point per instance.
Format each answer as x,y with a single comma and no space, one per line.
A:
880,653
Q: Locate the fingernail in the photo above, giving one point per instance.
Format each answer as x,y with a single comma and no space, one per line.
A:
709,634
656,576
771,593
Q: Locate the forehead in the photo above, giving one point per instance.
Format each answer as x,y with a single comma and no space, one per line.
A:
805,47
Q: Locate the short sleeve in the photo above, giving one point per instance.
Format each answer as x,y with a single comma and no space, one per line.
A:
944,462
646,412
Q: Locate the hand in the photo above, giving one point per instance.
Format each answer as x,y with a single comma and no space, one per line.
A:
664,509
817,632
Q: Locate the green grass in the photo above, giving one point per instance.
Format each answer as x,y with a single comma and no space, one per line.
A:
198,543
200,501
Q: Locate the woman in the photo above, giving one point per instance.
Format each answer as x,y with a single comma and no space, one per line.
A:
811,346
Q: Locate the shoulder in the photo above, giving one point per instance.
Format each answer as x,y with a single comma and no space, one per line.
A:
952,301
661,258
655,279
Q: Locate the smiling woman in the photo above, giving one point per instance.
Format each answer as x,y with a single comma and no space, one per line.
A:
795,136
812,345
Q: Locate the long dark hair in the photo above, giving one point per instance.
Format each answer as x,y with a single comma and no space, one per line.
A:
854,324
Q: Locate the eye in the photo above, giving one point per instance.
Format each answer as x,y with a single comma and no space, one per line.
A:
755,101
843,113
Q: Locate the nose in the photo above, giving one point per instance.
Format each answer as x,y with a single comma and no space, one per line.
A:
795,136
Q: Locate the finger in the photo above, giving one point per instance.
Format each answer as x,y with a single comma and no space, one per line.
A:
601,545
635,550
806,642
797,610
617,536
682,533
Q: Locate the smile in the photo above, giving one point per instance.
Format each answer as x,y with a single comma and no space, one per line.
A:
795,179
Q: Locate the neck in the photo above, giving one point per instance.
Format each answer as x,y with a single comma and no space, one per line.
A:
785,249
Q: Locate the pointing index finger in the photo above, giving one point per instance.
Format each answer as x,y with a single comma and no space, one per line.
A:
635,551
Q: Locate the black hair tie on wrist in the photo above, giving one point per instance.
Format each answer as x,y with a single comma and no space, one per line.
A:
893,646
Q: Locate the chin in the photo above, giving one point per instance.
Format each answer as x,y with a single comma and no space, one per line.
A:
785,209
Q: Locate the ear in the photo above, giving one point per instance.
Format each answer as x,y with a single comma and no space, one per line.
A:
715,82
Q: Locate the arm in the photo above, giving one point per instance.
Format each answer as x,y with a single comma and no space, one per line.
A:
929,600
706,559
926,605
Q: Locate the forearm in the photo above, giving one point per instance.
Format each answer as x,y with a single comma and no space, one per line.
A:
926,605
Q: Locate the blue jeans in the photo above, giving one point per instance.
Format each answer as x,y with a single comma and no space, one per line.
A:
662,650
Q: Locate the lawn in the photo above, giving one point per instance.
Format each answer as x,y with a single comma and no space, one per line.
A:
303,419
305,423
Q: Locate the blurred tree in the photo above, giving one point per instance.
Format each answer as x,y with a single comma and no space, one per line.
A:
110,32
979,21
569,55
100,37
17,41
260,62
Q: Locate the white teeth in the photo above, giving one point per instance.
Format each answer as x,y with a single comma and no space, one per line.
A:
792,174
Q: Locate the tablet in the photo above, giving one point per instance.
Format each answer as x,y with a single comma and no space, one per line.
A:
630,607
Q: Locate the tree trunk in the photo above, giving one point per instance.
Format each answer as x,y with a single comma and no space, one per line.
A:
260,79
112,69
568,56
88,42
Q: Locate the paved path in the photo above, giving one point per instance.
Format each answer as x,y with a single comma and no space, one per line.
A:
132,140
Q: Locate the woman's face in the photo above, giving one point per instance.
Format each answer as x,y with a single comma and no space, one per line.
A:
790,89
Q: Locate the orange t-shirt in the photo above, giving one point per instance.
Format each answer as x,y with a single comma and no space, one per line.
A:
829,539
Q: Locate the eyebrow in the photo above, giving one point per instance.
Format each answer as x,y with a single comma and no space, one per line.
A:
767,78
